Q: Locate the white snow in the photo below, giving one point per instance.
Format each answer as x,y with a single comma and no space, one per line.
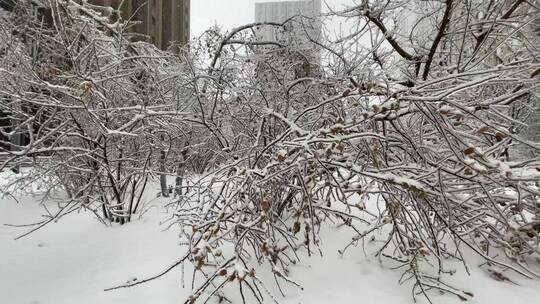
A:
72,261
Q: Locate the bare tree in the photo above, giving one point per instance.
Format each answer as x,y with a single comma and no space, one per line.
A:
425,124
95,107
287,137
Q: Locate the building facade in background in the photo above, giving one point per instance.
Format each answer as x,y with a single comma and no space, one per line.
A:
287,53
300,31
302,27
166,23
280,11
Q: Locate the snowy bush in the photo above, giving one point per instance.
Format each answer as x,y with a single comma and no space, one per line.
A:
288,138
430,142
90,107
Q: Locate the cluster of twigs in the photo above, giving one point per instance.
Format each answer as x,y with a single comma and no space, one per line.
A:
91,112
293,136
439,152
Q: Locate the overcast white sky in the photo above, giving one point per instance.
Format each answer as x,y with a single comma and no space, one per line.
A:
231,13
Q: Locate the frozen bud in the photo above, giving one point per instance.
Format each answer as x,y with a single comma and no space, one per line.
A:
469,151
423,251
265,206
86,86
240,272
281,155
192,299
484,130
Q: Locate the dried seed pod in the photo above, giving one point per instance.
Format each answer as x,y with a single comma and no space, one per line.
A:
265,206
296,227
469,151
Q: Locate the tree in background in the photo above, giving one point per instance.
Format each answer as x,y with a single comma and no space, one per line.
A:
95,109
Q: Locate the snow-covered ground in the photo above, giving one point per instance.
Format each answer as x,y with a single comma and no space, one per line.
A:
73,261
